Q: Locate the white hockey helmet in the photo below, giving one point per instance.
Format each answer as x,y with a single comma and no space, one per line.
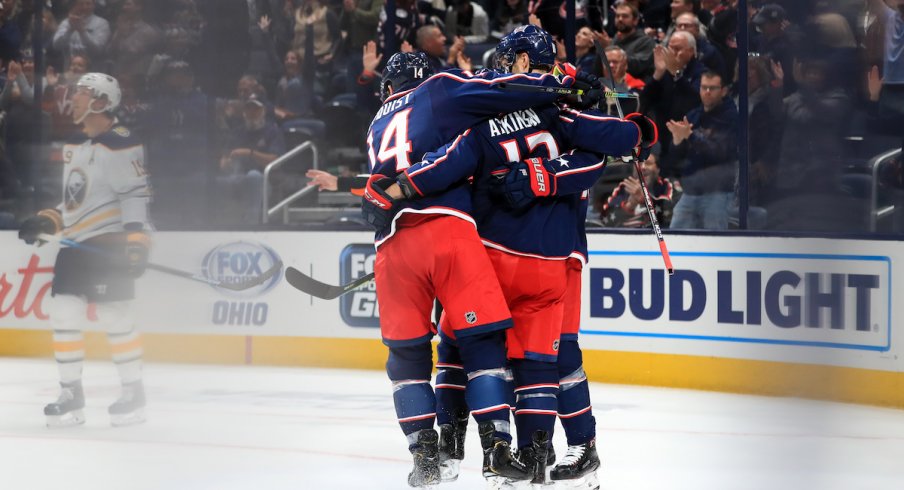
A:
102,84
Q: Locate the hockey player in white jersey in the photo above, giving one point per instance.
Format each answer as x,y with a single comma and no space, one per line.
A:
104,209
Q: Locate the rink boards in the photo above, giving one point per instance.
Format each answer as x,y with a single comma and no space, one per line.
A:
781,316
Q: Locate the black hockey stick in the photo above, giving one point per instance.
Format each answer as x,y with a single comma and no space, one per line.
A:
233,286
643,185
520,87
307,284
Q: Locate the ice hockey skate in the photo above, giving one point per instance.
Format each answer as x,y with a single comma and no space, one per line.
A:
578,468
67,410
452,447
129,409
500,468
425,473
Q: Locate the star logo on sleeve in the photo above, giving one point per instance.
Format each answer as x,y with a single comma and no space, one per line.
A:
563,162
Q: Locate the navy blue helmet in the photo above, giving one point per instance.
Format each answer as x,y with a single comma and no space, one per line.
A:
404,71
537,43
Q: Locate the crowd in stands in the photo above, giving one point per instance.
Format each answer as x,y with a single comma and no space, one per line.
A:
217,89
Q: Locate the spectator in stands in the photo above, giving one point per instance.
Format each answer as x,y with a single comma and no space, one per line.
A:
890,98
624,82
360,19
82,32
638,46
432,41
224,44
584,51
674,88
264,61
58,94
407,21
291,100
706,52
17,150
707,143
134,41
254,145
367,88
317,30
10,34
467,19
626,207
178,146
508,16
773,41
764,102
679,7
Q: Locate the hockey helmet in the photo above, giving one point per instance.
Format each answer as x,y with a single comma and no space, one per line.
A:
102,85
404,71
537,43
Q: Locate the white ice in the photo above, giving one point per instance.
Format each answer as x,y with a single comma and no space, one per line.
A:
230,427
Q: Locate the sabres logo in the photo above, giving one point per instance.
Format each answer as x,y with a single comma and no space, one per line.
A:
76,189
122,131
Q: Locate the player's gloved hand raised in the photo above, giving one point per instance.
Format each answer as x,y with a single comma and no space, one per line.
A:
46,221
137,245
592,87
377,206
520,184
649,134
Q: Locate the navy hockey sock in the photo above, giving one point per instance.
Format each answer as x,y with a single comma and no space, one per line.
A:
409,369
451,382
487,392
536,385
575,411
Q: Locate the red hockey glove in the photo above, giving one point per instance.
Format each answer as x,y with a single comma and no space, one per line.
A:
519,184
649,134
378,207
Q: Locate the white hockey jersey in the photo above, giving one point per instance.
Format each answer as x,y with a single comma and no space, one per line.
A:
105,185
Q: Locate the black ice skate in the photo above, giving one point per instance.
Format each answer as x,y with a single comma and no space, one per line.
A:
534,457
499,467
129,409
578,468
452,446
426,460
67,410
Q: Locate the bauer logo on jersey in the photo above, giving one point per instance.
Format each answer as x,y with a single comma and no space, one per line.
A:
359,308
76,189
238,261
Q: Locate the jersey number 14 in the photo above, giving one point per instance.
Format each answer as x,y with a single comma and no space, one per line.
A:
394,143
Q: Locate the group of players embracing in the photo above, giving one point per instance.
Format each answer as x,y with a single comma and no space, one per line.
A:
478,195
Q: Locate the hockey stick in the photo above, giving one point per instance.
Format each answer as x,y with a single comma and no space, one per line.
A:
643,185
519,87
233,286
307,284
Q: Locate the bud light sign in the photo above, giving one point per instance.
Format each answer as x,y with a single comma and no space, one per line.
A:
359,307
792,299
237,262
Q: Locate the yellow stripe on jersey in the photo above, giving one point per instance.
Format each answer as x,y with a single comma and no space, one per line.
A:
92,221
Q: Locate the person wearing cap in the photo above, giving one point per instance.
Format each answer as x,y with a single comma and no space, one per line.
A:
771,22
104,210
256,143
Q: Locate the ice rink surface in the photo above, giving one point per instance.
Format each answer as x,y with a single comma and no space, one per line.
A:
229,427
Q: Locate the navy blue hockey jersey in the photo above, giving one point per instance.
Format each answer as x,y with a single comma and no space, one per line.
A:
412,123
548,227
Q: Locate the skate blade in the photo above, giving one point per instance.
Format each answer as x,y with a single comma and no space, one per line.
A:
449,469
126,419
587,482
73,418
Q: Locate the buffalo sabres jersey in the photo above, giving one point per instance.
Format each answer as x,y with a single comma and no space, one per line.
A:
414,122
549,227
105,184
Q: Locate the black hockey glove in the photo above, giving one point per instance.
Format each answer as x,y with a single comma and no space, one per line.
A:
520,184
137,245
378,207
46,221
649,134
593,90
